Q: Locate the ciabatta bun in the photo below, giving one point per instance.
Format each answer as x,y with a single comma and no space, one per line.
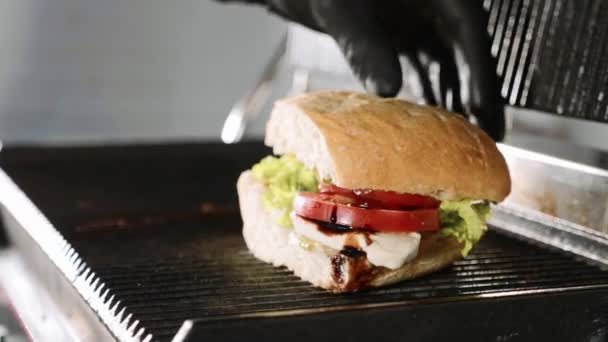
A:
361,141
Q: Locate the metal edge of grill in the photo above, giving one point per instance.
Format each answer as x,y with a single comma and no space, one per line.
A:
17,208
550,231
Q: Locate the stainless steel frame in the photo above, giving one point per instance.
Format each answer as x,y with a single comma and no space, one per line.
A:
83,308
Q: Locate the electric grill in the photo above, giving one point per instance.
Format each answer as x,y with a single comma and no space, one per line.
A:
144,243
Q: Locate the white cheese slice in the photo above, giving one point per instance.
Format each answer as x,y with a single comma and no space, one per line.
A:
390,250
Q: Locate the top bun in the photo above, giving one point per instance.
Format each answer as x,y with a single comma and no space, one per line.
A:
361,141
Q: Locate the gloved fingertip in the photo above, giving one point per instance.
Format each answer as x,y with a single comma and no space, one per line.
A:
494,125
497,132
382,87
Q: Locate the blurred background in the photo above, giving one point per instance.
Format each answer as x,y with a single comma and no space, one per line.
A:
86,70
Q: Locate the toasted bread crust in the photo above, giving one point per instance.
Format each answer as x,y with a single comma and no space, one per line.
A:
366,142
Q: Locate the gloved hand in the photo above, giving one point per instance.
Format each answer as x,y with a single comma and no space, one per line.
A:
445,40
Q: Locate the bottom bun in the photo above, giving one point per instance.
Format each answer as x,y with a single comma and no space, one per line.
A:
325,267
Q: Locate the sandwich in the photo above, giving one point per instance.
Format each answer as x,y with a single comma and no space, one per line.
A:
365,192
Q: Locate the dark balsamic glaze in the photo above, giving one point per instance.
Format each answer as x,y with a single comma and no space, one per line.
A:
339,228
331,228
350,264
352,252
334,213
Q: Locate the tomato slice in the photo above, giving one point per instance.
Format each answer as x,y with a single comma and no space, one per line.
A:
382,199
328,208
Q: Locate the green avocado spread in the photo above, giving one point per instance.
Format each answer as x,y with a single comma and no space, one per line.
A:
284,176
465,219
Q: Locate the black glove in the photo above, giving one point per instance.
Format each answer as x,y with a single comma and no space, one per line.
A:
445,40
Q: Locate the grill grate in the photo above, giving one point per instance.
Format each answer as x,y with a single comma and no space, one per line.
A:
551,54
150,234
163,292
